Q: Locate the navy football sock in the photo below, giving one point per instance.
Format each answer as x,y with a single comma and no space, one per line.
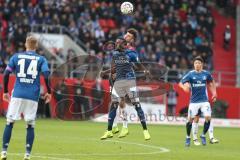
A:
206,127
189,128
141,115
112,115
29,139
7,136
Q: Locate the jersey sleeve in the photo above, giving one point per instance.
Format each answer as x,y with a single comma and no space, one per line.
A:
186,78
209,77
134,56
11,64
44,67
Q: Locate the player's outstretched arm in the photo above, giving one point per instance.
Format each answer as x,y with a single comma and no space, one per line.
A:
213,89
105,72
6,96
184,86
140,67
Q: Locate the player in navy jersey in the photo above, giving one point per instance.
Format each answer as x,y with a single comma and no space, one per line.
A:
197,82
130,36
125,84
27,66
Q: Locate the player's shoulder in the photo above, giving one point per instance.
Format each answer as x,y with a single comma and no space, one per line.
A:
40,57
206,72
15,55
115,53
191,72
188,74
131,51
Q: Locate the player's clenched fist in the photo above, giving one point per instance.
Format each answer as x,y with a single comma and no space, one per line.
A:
6,97
47,97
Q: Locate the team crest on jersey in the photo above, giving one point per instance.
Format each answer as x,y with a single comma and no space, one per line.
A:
204,77
194,77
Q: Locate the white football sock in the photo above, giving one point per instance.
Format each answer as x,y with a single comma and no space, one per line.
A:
124,117
195,130
115,122
210,130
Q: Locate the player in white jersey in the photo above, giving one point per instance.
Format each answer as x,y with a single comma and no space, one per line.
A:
27,66
197,82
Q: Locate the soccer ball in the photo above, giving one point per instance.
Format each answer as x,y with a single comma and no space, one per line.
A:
126,8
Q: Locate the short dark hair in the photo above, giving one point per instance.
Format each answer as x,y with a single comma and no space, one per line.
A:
198,58
134,32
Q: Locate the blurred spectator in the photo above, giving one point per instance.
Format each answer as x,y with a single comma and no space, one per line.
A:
168,28
97,93
227,38
81,108
172,102
2,65
62,99
43,108
173,74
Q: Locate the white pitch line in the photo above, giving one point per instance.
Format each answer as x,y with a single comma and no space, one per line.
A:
44,156
158,149
143,145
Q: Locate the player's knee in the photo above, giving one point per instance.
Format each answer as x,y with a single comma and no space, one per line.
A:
136,104
122,104
10,122
189,123
134,100
30,124
138,108
207,118
114,104
190,120
196,119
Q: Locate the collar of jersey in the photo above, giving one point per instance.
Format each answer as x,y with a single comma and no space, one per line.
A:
31,52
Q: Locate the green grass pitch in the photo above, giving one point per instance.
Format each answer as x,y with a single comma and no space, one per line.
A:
68,140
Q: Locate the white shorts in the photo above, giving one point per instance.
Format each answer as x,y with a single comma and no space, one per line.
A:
122,88
18,106
194,109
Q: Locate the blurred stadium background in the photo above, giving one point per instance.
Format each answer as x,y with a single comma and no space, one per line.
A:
171,33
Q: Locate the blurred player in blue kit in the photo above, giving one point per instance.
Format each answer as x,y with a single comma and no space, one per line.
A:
27,66
123,63
197,82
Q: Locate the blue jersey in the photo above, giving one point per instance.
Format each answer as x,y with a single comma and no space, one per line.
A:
27,67
198,82
124,64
